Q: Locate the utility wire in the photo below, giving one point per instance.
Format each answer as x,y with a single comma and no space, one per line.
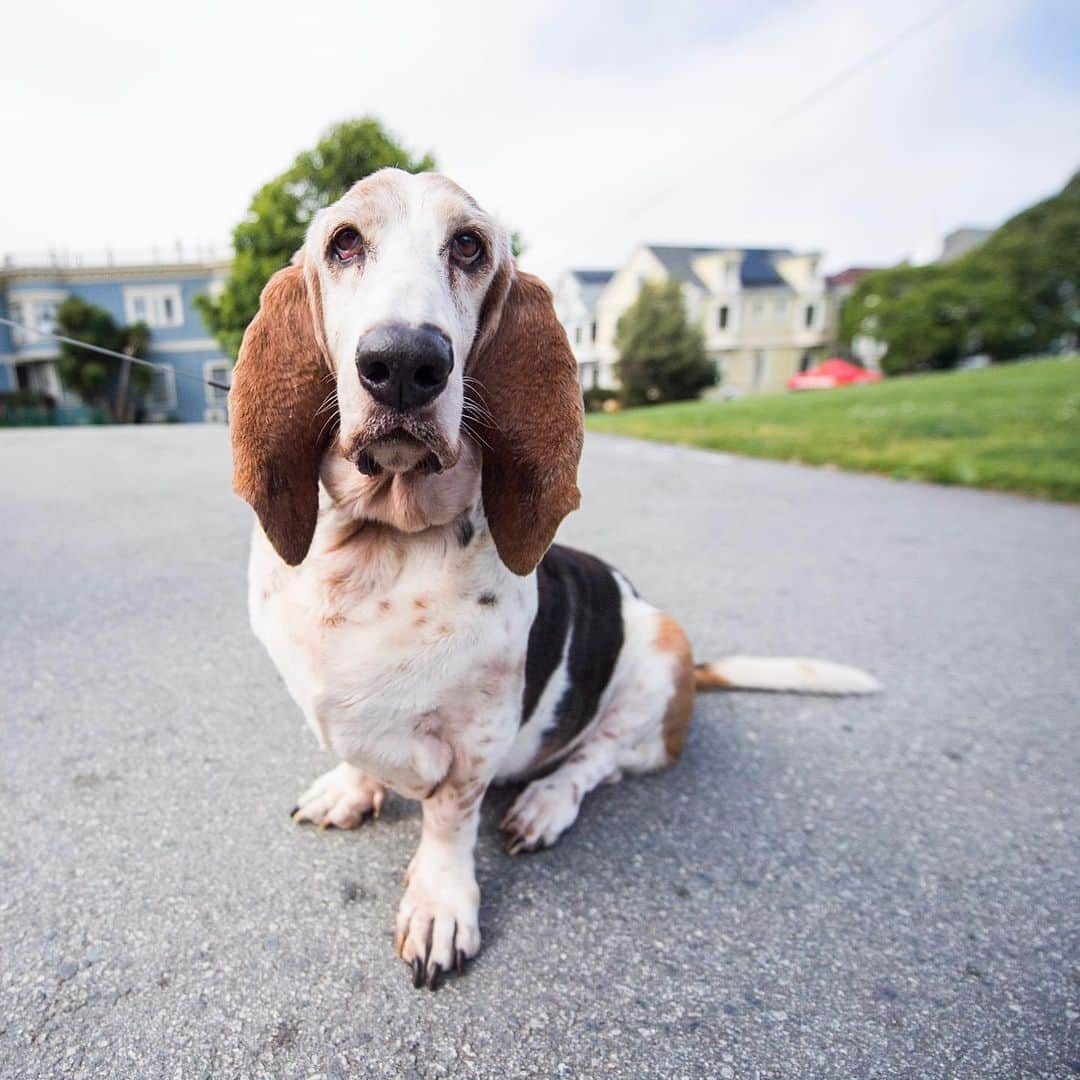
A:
825,88
110,352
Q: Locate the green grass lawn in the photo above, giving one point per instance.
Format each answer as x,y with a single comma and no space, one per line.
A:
1015,427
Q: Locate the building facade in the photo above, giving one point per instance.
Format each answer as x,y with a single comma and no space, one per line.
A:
766,313
961,241
157,291
576,297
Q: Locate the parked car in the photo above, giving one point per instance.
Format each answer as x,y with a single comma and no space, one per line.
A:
830,374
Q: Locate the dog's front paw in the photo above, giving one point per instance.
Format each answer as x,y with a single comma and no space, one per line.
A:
541,814
343,797
438,921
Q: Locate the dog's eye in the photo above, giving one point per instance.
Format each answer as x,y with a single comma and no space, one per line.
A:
346,244
467,248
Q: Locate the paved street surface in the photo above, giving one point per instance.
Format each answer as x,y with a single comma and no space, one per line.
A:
821,888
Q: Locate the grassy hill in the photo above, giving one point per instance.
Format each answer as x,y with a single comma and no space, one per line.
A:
1013,427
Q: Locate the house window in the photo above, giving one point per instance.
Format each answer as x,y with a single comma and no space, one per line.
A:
722,317
219,371
760,367
781,307
162,394
758,310
577,334
159,306
15,313
37,310
809,316
46,316
592,331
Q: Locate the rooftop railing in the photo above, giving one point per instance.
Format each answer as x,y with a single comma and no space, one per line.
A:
164,255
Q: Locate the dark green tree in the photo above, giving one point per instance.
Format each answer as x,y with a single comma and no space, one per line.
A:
111,384
661,355
1015,295
280,212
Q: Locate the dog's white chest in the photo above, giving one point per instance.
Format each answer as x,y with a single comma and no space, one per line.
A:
402,651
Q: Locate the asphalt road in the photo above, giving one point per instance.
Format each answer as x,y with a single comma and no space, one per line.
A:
821,888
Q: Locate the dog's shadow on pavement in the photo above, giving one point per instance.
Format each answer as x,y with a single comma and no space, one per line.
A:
656,834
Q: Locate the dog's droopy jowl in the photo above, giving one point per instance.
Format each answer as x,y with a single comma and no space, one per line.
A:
407,422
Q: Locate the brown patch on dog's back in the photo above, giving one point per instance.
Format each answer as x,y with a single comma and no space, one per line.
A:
671,638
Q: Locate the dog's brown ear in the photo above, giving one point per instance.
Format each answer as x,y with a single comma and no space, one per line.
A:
527,388
279,386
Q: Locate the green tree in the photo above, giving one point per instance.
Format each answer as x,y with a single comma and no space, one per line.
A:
661,355
279,213
100,380
1015,295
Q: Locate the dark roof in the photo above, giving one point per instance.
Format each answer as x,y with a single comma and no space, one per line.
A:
593,277
850,276
757,264
592,284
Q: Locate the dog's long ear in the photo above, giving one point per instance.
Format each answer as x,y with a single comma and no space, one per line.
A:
279,385
527,387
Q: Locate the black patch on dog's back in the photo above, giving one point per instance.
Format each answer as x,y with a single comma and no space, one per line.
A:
579,596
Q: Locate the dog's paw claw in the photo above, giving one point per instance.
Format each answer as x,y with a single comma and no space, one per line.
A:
341,798
540,814
437,929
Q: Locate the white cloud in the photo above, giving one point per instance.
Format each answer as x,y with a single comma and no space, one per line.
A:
131,126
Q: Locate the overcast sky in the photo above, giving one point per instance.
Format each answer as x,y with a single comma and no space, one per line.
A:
588,126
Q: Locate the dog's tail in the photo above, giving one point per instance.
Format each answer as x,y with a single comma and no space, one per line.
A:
783,673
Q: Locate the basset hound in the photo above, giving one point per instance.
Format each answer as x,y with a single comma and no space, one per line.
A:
406,423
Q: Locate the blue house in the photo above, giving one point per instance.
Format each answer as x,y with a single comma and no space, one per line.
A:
158,291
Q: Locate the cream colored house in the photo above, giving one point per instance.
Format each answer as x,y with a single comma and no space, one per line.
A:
766,313
576,297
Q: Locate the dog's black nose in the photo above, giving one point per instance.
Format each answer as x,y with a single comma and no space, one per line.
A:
404,366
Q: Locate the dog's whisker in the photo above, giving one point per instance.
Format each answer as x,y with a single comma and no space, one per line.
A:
332,421
476,409
475,435
478,412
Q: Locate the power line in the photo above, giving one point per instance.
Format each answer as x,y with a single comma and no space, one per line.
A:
111,352
825,88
